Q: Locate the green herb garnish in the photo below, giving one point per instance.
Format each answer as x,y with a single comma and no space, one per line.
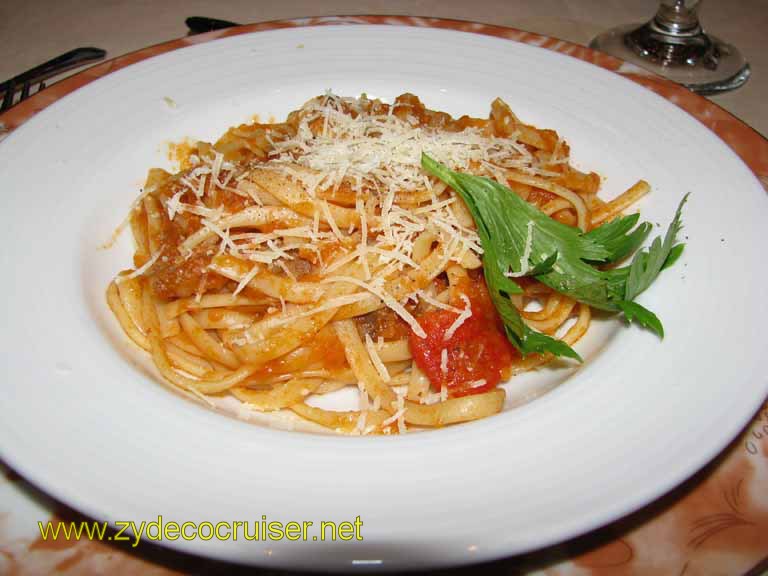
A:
519,240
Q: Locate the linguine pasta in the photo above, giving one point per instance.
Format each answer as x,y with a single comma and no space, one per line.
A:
293,259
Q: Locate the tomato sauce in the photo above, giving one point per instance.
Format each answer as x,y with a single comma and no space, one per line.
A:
477,350
326,352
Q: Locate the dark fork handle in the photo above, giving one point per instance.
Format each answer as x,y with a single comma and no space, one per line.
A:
8,98
200,24
67,61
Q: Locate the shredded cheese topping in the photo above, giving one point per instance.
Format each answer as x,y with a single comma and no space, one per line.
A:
246,279
376,288
384,151
444,361
146,266
376,359
460,319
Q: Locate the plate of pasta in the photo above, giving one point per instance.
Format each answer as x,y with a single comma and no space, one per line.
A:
454,306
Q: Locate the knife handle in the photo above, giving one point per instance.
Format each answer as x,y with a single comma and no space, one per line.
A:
200,24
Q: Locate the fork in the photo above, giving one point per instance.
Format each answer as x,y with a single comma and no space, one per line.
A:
201,24
26,81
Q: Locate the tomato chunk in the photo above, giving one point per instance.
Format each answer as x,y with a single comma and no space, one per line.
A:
477,351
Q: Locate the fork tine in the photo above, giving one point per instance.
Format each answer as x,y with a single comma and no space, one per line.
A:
8,98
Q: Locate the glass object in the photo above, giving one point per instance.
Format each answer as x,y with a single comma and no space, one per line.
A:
674,45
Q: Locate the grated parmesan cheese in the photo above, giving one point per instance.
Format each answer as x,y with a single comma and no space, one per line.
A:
360,424
377,290
139,271
401,413
424,295
444,361
460,319
392,418
329,218
363,249
376,359
246,279
371,149
329,304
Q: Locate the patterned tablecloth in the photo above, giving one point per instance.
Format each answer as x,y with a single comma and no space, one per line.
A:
715,523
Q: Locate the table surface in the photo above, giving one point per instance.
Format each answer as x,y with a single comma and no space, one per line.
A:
33,32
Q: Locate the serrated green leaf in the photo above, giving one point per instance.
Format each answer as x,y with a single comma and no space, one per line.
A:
618,236
635,312
562,257
647,264
674,254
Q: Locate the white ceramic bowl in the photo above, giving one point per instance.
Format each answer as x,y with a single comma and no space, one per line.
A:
85,418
